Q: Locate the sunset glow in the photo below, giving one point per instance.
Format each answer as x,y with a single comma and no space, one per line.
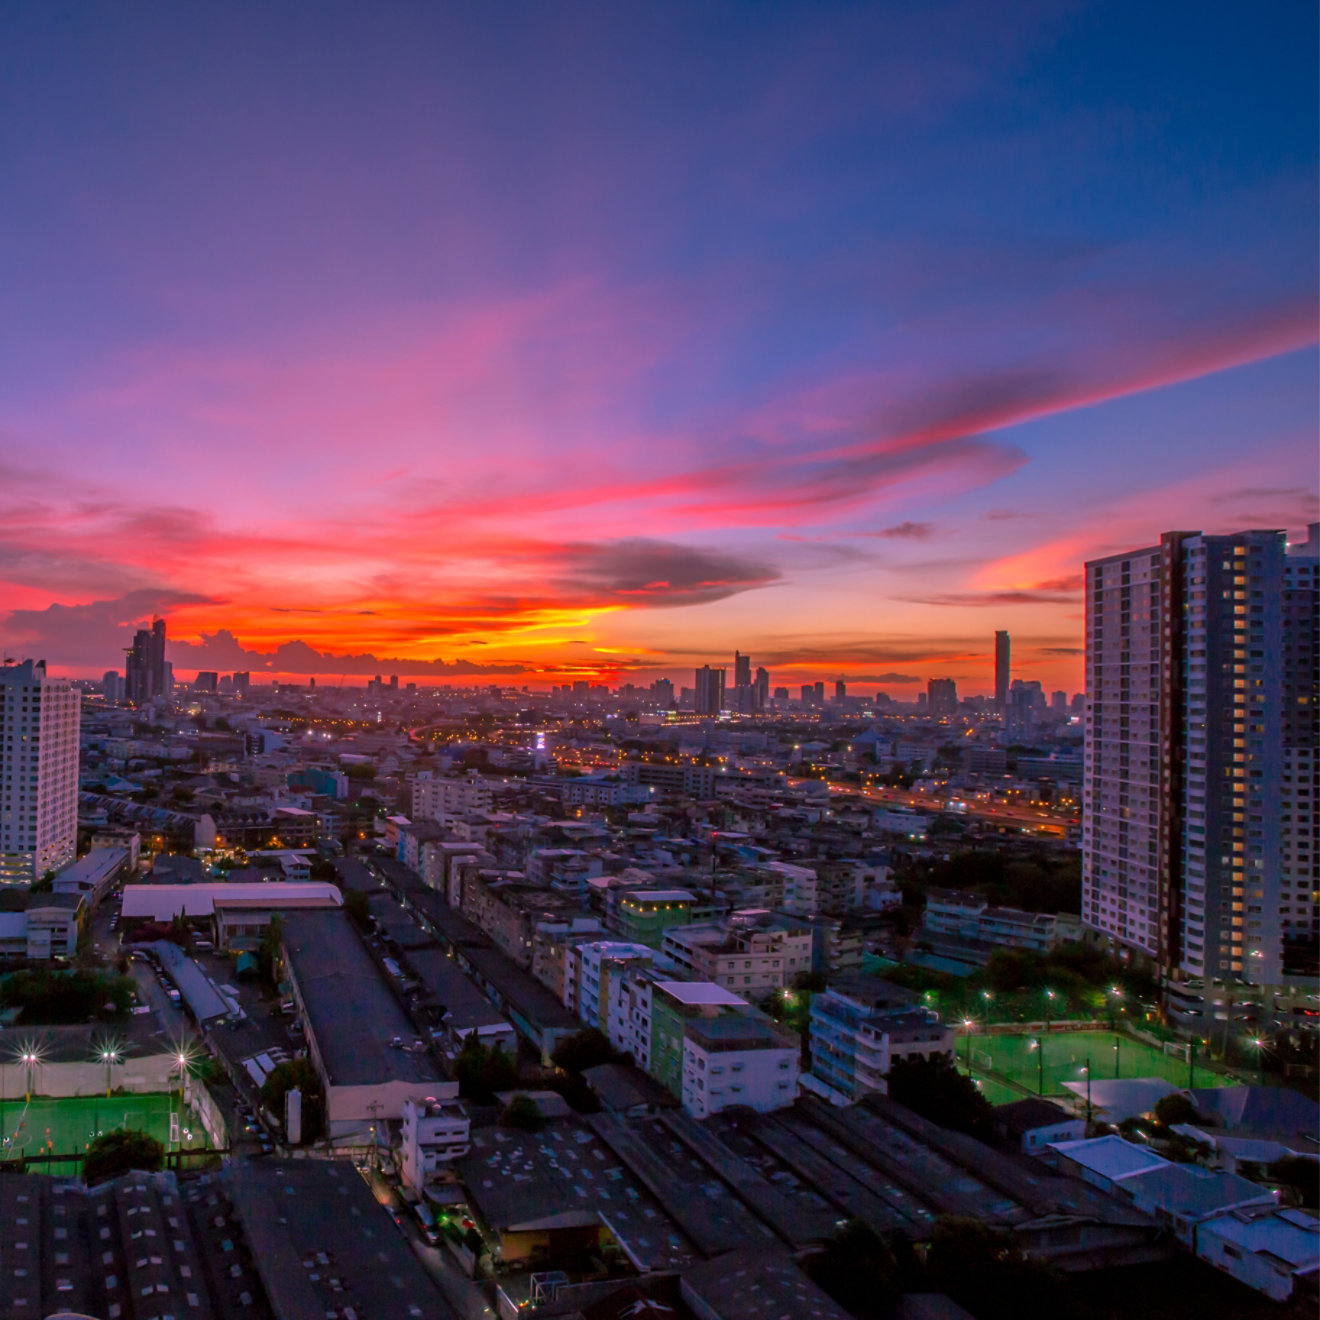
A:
573,348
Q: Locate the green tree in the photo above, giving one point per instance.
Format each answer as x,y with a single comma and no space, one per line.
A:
860,1271
45,884
120,1150
1175,1108
481,1072
296,1075
983,1267
357,907
934,1088
523,1113
270,950
583,1050
323,869
1301,1176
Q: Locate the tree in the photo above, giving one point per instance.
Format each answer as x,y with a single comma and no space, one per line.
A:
45,884
120,1150
323,869
983,1267
934,1088
523,1113
1301,1175
584,1049
860,1271
270,949
1175,1108
295,1075
357,907
481,1071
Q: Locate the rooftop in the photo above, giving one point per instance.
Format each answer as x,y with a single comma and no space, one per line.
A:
352,1012
700,994
327,1244
754,1284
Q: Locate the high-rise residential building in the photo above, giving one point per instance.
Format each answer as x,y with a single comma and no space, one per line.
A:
112,685
840,690
146,672
1003,652
242,681
1059,703
941,697
207,680
39,725
709,690
1195,649
818,694
662,690
1299,799
742,670
761,690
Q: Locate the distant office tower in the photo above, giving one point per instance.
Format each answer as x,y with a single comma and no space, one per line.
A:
743,697
1024,701
840,690
941,697
761,689
242,681
207,680
1198,651
394,682
709,691
112,685
808,694
818,694
662,690
146,673
39,724
1002,668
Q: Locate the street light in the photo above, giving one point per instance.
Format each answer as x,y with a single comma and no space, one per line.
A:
968,1024
1260,1059
1049,999
1039,1047
109,1055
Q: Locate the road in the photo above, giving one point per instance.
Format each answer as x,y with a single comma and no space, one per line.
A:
1038,819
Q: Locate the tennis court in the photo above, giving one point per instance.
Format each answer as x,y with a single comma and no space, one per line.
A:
51,1126
1062,1057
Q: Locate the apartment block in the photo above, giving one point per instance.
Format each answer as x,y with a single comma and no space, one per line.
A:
39,724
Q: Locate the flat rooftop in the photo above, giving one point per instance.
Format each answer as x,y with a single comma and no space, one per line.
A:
352,1012
700,994
165,902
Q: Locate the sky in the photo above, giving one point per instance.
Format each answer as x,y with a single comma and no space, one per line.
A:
520,343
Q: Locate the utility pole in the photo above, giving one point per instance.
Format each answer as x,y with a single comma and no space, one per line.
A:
1088,1093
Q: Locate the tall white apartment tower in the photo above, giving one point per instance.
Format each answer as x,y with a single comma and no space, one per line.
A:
39,724
1190,656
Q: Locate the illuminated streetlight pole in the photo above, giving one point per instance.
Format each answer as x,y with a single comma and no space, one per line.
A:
109,1056
968,1024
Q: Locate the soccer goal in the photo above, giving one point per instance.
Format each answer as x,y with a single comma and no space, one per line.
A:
984,1059
1178,1049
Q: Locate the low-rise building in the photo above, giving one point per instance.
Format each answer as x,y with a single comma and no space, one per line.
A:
742,954
1034,1124
433,1132
860,1028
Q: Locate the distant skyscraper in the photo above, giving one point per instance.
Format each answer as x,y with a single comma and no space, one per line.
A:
39,725
112,685
207,680
1003,667
941,697
1059,702
1025,699
146,673
818,694
761,690
744,700
1201,684
709,690
242,681
840,690
662,690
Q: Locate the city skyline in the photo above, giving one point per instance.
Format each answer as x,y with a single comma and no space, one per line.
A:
604,345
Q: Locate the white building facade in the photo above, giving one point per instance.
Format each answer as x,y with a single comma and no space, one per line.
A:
39,726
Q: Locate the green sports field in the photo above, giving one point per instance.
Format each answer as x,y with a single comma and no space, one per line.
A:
50,1126
1065,1054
